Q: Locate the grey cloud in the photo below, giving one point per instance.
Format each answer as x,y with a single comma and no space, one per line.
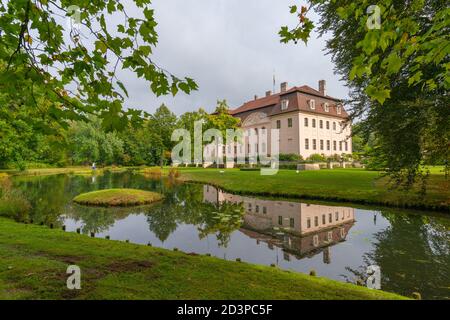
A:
231,48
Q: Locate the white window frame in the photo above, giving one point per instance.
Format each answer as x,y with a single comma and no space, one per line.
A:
326,107
312,104
284,104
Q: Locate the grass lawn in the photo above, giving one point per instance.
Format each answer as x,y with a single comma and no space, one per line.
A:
79,170
353,185
35,258
117,198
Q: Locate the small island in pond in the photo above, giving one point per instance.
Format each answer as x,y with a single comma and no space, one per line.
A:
117,198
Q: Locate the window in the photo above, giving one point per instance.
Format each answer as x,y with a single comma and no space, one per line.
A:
340,145
280,220
328,145
321,144
306,122
257,209
249,207
312,104
330,236
308,223
290,122
337,216
264,210
249,148
316,221
284,104
324,219
256,147
334,145
314,144
291,222
326,107
316,240
339,109
321,124
307,144
278,124
330,218
346,146
313,123
334,126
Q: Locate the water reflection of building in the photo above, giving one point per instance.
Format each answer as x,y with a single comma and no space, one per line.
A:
300,229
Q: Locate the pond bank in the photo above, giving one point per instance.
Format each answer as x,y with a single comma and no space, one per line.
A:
35,259
338,185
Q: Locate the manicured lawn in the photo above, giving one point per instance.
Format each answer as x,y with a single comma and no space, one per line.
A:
35,258
354,185
117,198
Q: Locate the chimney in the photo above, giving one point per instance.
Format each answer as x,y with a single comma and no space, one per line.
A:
284,87
268,93
256,97
322,87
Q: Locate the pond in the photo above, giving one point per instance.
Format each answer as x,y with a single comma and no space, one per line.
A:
412,249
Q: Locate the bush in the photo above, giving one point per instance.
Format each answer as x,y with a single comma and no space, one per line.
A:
290,157
152,172
317,158
174,173
13,204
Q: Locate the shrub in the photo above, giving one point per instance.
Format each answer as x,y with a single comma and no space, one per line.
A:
317,158
152,172
13,204
174,173
290,157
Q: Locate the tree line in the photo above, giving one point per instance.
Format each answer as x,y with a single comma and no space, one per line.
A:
24,143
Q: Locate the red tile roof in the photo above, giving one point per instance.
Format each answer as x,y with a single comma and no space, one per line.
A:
298,101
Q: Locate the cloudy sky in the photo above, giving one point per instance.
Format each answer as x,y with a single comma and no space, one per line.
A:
231,48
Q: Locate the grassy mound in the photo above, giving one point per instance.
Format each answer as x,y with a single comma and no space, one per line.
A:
117,198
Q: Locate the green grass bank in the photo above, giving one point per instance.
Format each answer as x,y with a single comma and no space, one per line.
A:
343,185
35,259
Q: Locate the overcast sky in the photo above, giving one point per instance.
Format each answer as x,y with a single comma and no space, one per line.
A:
231,48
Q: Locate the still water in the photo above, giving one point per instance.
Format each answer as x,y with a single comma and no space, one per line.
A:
412,249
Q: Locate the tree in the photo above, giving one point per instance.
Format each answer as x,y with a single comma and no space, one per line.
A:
74,66
88,143
161,124
222,120
398,72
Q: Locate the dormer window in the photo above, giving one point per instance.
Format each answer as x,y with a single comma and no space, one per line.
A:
326,107
284,104
312,104
338,109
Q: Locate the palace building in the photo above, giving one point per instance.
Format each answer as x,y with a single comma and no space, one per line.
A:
309,122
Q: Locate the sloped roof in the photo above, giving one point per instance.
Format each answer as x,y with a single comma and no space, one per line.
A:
298,101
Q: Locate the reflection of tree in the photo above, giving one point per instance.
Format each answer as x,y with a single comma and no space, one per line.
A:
96,219
184,204
413,254
222,221
162,220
